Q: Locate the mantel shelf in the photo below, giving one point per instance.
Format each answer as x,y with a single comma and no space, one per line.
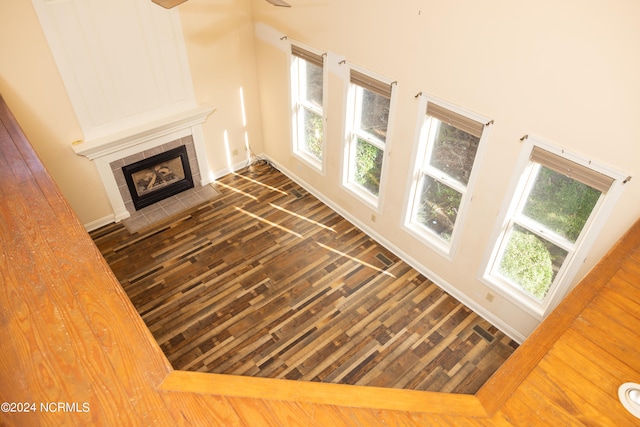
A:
105,145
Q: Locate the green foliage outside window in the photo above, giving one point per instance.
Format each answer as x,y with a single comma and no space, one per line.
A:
438,207
368,166
527,262
313,134
454,151
561,203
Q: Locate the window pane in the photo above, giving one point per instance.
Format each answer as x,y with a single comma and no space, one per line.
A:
438,207
312,125
560,203
375,113
368,166
531,261
453,151
313,89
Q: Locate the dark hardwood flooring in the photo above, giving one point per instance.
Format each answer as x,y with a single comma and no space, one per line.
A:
267,281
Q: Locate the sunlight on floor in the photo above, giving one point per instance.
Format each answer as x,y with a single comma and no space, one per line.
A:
266,221
260,183
302,217
366,264
273,224
237,191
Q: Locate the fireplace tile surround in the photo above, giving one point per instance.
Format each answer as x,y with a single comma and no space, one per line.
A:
163,209
116,166
168,207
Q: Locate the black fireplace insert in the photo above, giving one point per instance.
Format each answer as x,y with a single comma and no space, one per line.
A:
158,177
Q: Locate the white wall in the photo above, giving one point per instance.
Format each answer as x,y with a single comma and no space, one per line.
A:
220,46
566,71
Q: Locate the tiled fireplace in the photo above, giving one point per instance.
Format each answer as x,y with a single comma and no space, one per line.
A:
153,175
113,153
186,192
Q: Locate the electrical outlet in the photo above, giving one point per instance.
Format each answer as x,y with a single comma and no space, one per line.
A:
234,153
373,217
489,297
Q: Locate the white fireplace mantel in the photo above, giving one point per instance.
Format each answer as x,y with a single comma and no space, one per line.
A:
107,149
99,147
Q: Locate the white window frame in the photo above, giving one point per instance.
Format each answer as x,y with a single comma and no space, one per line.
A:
565,279
352,133
297,129
423,146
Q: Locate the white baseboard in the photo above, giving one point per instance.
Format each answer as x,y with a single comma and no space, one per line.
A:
439,281
225,171
101,222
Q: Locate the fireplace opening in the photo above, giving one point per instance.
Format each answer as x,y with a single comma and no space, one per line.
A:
158,177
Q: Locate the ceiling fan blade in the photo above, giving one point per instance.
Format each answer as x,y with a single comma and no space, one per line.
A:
168,4
279,3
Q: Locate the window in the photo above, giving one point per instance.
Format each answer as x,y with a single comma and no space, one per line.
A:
448,146
368,115
307,89
547,227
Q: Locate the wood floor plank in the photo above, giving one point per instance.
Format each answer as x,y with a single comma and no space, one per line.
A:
265,280
530,406
565,396
619,285
593,324
595,363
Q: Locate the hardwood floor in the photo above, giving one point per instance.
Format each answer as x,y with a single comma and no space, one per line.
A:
267,281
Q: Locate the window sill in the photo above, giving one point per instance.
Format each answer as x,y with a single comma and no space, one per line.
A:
442,247
364,196
312,162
